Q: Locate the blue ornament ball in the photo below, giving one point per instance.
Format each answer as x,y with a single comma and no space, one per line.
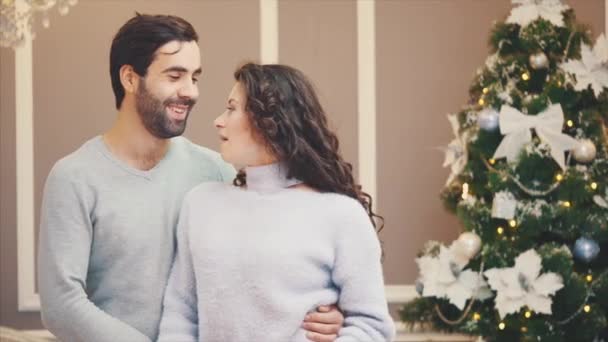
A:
585,249
487,119
419,286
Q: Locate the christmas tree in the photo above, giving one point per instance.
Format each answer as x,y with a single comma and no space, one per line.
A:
529,182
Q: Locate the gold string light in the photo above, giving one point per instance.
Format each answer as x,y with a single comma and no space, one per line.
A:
589,278
594,186
500,230
525,76
512,223
559,177
570,123
587,308
476,316
502,325
528,314
465,191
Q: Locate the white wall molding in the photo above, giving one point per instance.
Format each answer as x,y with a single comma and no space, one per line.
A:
605,16
28,299
402,336
366,95
400,294
269,31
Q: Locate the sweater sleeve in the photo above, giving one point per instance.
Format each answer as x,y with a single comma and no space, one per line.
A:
179,320
63,259
358,274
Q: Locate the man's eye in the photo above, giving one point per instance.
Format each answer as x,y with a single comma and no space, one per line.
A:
195,80
174,77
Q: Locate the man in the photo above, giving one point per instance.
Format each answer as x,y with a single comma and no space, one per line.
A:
109,212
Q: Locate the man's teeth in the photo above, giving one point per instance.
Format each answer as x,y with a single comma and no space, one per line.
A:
178,109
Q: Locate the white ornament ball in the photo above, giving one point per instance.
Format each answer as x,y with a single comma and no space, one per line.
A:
468,244
487,119
539,61
585,151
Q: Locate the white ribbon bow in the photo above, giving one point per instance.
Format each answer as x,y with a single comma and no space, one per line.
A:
515,126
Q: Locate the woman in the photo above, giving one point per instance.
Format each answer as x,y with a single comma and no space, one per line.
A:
295,231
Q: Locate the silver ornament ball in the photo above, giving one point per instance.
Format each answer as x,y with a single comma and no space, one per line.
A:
585,151
487,119
539,61
468,244
585,249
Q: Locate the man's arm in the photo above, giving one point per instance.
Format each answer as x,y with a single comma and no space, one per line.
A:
63,260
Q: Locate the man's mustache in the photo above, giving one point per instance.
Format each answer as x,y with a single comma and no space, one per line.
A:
184,102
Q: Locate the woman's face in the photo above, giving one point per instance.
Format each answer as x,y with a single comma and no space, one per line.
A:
240,146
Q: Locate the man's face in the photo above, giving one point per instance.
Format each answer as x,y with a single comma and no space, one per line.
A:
166,95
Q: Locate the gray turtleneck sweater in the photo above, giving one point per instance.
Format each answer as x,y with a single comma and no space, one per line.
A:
107,239
251,263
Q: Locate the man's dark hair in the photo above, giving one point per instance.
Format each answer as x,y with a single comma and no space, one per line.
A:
137,41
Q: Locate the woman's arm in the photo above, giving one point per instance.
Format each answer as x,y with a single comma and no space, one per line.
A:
358,274
179,321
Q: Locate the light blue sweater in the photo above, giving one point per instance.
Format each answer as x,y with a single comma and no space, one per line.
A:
107,239
250,264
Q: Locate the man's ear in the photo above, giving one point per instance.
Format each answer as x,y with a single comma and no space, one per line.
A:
129,78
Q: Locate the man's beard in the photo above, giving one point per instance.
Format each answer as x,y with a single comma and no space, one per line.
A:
153,114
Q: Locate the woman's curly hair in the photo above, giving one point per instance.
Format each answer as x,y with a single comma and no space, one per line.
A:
286,113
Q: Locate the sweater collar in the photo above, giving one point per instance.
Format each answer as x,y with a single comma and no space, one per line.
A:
269,178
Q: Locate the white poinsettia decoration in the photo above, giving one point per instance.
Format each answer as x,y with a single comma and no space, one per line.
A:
523,285
600,49
526,11
456,154
602,202
591,68
443,277
492,60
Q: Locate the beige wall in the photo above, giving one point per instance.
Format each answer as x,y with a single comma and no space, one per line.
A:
308,36
427,52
